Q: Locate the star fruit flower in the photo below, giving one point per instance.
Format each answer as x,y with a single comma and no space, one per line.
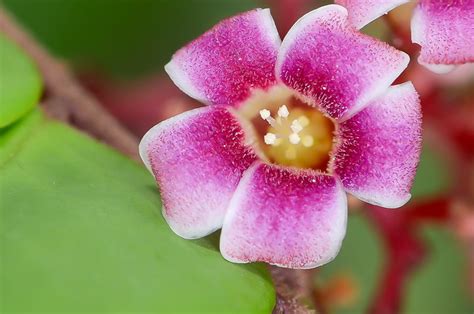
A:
443,28
290,127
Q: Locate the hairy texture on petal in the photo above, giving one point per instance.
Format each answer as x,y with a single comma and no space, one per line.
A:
445,31
340,69
197,159
379,148
225,64
286,217
362,12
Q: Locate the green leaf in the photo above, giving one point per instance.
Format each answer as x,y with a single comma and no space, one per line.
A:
20,83
432,177
127,38
82,231
360,261
440,284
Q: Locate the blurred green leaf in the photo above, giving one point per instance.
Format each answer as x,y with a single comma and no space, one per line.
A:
20,83
360,262
12,136
432,177
440,284
82,231
125,37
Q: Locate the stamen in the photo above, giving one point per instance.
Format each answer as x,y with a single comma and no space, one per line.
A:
296,126
307,141
270,138
283,112
294,138
266,115
304,121
297,137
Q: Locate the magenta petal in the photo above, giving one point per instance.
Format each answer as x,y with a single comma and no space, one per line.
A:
362,12
334,65
379,148
285,216
445,31
225,64
197,158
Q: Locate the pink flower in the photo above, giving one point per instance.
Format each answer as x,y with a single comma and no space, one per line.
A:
443,28
290,127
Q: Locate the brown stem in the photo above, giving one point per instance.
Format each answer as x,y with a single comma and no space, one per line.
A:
293,287
66,99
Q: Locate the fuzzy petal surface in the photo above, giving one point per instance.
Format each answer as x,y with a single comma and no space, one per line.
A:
379,148
285,216
362,12
445,31
197,159
336,67
226,63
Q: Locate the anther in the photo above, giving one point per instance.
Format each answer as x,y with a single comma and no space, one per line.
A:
270,138
307,141
296,126
294,138
266,115
283,112
304,121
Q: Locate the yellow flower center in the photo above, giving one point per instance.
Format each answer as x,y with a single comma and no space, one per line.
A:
301,137
290,131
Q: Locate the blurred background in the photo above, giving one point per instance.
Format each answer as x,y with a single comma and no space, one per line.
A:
418,259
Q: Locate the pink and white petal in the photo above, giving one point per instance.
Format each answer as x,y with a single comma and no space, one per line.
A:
379,148
445,31
362,12
288,217
197,159
226,63
334,65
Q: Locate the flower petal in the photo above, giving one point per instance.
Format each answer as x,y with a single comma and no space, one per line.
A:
285,216
362,12
379,148
197,158
227,62
334,65
445,31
